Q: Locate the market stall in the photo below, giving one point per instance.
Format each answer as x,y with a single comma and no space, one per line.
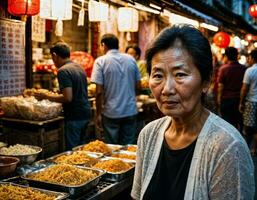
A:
95,170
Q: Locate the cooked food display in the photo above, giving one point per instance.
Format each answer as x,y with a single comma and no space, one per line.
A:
97,146
2,144
132,148
76,158
113,165
64,174
17,149
30,108
17,193
127,156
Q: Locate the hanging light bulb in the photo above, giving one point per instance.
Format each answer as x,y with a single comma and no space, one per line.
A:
81,15
52,9
127,19
59,28
97,11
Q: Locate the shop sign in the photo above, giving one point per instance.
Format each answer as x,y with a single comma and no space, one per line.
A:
38,29
12,57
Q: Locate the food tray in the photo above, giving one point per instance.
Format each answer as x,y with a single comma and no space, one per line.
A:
91,154
125,148
118,176
114,147
59,195
126,153
71,190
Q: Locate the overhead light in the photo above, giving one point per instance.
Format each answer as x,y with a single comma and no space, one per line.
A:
178,19
209,26
155,6
255,44
127,19
144,8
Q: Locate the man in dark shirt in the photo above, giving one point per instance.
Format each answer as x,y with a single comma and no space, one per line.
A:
230,82
73,87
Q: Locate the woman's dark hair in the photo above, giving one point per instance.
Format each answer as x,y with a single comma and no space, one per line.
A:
231,53
136,48
110,40
61,49
192,40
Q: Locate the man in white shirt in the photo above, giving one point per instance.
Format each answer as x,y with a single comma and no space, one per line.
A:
117,78
248,101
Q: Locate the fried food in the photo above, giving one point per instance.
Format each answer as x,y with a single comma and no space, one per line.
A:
17,149
97,146
64,174
127,156
10,192
76,158
132,148
113,165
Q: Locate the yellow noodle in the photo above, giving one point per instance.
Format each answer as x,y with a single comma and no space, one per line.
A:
132,148
97,146
113,165
76,158
64,174
127,156
10,192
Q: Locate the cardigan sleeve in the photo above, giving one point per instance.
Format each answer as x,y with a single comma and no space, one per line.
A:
136,188
233,175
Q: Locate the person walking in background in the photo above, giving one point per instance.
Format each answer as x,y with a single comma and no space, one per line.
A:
230,81
190,153
73,87
135,52
117,78
248,102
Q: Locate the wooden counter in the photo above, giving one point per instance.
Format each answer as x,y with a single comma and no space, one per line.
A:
48,134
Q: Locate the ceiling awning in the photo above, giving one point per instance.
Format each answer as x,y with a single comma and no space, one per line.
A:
196,13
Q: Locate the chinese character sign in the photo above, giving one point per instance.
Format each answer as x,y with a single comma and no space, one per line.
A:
12,57
38,29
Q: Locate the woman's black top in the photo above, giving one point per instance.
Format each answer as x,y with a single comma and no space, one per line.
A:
170,176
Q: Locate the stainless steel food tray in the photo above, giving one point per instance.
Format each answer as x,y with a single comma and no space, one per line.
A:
113,147
124,152
59,195
125,148
71,190
92,154
118,176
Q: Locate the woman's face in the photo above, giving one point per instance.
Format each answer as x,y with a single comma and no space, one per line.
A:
176,82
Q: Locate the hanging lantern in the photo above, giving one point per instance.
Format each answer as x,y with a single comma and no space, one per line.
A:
53,9
253,11
248,37
97,11
23,7
221,39
127,19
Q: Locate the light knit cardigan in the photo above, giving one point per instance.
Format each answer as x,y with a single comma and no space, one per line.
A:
221,166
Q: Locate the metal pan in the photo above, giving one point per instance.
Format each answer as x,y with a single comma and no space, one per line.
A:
118,176
59,195
72,190
128,155
67,153
130,146
113,147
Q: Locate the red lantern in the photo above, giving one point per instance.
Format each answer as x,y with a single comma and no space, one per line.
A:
23,7
221,39
253,10
248,37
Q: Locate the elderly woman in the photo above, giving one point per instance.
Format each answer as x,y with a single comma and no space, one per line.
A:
190,153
